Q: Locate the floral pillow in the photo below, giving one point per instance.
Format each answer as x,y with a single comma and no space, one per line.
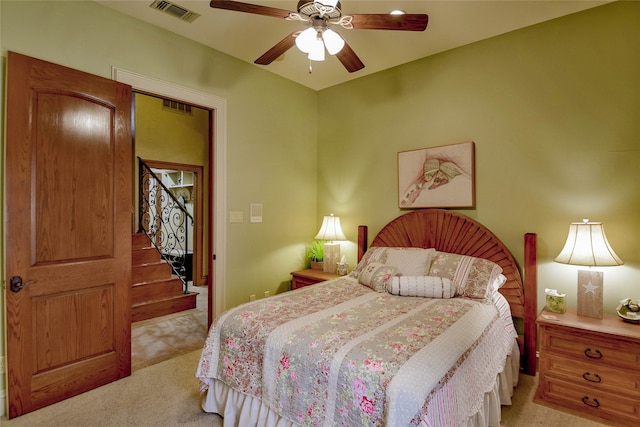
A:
373,254
376,276
473,277
409,261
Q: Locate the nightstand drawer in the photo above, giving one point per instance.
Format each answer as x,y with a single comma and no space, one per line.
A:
310,277
595,403
581,345
596,376
590,367
300,282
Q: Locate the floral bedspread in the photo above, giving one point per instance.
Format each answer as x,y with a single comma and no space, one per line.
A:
339,354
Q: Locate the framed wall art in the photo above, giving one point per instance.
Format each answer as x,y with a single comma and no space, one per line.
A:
437,177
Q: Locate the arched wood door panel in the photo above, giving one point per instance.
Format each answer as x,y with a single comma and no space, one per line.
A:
68,239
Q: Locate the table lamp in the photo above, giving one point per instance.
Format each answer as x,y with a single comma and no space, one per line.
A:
330,231
587,245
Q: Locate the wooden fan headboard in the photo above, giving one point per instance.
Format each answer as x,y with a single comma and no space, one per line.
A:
453,232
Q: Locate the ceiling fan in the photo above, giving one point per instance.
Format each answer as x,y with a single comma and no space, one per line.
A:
319,16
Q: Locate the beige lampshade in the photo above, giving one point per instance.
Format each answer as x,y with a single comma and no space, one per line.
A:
587,245
330,229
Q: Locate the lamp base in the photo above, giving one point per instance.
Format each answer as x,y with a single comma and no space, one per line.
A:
331,257
590,293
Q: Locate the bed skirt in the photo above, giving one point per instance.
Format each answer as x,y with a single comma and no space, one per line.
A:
239,409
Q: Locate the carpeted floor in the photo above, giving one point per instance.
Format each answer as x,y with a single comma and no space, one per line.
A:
166,394
524,413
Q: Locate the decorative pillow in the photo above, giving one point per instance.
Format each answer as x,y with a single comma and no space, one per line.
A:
421,286
410,261
376,276
472,276
373,254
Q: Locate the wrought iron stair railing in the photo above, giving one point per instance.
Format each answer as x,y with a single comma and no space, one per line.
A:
165,220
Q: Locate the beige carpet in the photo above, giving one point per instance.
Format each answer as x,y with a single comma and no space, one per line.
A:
524,413
166,394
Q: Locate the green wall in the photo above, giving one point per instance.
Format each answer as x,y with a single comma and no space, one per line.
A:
269,160
166,135
271,126
554,111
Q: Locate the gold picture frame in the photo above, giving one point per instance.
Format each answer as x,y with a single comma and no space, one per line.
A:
437,177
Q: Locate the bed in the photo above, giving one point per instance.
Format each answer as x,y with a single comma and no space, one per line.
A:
420,333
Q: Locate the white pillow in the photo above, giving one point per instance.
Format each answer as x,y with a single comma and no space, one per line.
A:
410,261
421,286
497,283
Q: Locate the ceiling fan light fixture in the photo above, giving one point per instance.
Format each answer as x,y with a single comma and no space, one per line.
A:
396,12
332,41
306,39
318,15
316,53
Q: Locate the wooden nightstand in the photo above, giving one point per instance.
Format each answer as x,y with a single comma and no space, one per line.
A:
590,367
310,277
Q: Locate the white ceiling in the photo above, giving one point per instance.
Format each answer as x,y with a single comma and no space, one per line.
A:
452,23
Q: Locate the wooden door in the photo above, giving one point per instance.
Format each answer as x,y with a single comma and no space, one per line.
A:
68,232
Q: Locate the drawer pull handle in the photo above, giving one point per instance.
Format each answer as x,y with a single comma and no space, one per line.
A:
594,378
593,354
590,402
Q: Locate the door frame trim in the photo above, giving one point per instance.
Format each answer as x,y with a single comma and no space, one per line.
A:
218,106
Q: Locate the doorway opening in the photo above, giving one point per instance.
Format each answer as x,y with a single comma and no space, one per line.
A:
216,178
173,140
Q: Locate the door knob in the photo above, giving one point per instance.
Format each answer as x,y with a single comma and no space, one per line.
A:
16,284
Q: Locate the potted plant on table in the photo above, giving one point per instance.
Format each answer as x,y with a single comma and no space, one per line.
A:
316,254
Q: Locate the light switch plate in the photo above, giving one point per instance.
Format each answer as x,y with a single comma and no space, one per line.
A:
236,216
256,212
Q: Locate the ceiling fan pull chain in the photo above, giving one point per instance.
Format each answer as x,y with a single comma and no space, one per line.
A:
310,67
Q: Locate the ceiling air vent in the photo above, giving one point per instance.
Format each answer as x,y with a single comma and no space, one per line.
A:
174,10
176,106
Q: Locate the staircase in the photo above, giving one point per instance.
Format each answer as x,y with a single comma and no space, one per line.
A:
155,290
